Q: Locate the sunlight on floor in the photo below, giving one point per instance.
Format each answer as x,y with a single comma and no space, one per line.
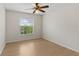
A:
29,49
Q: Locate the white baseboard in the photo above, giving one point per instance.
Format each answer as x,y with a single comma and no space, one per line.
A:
21,40
1,50
63,45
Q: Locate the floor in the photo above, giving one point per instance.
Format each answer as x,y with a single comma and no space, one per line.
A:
36,47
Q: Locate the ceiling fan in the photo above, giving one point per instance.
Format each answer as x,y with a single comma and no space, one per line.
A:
39,8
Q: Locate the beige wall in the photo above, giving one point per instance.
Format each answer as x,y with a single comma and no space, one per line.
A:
61,25
2,27
13,28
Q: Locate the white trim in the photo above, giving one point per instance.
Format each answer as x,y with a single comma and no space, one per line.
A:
63,45
22,40
3,46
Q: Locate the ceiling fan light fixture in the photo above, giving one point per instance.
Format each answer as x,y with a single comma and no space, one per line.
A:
37,11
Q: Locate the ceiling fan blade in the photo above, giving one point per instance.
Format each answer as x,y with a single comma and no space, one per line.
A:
42,10
34,11
29,9
45,6
36,4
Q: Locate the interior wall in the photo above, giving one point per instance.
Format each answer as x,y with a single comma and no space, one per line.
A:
61,25
2,27
13,27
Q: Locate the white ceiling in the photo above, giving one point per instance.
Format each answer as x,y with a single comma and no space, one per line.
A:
22,6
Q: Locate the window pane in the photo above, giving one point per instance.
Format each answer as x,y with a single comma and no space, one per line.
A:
26,26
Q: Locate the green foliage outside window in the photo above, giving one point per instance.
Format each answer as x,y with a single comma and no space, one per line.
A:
26,29
26,26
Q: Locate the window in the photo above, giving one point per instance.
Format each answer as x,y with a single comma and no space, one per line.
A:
26,26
